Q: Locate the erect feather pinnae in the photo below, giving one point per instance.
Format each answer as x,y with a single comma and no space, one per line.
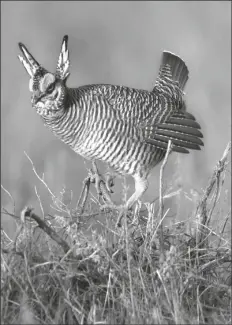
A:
63,60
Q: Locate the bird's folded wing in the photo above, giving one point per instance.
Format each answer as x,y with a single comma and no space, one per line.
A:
181,128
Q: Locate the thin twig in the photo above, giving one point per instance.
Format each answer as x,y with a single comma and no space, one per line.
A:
41,179
40,203
225,222
165,289
161,203
3,233
202,217
107,292
159,226
8,193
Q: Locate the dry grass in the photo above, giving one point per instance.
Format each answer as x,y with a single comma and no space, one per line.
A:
58,270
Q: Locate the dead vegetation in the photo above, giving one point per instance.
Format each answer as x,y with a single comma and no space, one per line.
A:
56,270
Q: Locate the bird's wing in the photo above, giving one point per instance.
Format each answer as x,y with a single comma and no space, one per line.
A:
181,128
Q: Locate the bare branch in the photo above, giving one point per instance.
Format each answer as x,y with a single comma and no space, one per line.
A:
43,225
161,199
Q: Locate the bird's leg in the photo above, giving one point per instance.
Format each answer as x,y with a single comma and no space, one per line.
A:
141,185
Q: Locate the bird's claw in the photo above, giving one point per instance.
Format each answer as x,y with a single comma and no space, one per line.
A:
102,186
109,182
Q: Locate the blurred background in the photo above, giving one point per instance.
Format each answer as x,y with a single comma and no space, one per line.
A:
119,43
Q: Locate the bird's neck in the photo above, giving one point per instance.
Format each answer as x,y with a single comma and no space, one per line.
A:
69,123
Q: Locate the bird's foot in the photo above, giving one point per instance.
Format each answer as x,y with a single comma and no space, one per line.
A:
103,186
109,181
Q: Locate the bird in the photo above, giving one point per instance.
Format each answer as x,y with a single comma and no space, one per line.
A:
129,129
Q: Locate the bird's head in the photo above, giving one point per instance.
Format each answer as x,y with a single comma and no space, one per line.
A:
48,89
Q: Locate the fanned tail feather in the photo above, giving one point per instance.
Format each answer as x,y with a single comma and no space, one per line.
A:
173,67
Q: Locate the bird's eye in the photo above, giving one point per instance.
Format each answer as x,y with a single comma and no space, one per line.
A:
50,88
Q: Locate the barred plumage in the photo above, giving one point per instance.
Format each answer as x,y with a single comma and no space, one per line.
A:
127,128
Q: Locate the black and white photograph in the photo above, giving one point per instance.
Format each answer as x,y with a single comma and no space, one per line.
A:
115,162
